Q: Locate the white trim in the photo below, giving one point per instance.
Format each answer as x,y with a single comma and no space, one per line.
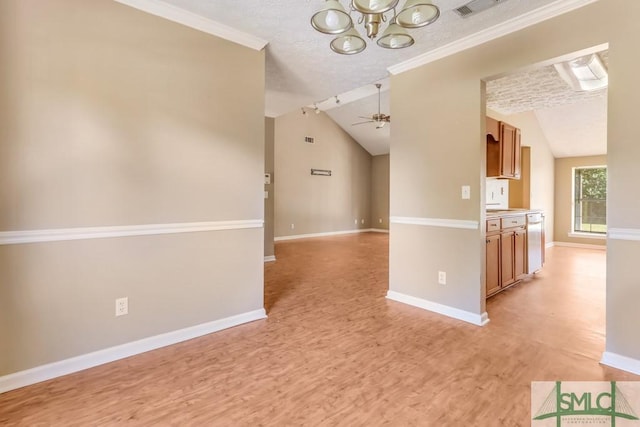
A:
549,245
580,245
60,234
456,313
621,362
86,361
518,23
197,22
577,235
624,233
435,222
269,258
379,230
324,234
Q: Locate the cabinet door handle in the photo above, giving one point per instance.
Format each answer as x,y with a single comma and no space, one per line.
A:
488,240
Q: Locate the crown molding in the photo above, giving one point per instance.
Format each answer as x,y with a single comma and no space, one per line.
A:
197,22
518,23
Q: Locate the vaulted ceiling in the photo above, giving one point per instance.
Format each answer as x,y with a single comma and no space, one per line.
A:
301,69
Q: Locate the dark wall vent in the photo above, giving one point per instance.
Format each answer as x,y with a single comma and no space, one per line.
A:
309,139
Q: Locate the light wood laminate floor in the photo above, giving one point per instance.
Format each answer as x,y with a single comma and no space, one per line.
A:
334,351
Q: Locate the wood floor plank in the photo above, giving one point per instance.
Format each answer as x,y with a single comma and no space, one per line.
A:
335,351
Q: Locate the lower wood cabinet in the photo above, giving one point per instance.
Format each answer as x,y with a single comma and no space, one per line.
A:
506,252
493,264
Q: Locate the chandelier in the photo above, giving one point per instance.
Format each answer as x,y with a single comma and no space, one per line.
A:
334,19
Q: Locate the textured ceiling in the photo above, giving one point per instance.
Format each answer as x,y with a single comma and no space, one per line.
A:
301,69
540,88
574,122
300,66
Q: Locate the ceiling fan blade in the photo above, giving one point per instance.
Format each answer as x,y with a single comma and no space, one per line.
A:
380,125
361,123
365,117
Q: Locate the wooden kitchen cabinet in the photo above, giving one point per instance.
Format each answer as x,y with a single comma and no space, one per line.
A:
493,264
503,150
520,254
506,252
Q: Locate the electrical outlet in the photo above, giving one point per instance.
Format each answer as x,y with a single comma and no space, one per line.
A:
466,192
122,306
442,277
362,221
293,226
355,221
380,220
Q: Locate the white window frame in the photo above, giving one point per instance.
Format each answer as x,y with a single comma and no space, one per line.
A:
583,234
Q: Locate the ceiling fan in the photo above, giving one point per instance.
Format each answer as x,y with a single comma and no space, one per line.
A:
379,119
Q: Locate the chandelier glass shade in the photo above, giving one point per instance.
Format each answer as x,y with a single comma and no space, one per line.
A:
333,19
348,43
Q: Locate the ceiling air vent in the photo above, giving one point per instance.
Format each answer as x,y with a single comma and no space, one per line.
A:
309,139
476,6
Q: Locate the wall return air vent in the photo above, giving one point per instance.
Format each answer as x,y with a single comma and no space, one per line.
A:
309,140
476,6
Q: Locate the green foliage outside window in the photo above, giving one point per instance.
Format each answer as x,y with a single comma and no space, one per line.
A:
590,207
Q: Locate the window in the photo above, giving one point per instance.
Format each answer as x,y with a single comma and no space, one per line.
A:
590,200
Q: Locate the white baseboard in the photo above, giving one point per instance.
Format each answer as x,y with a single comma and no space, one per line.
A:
85,361
549,245
269,258
325,234
580,245
378,230
621,362
456,313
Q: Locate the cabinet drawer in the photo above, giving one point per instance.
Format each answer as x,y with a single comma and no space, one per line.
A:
513,221
493,225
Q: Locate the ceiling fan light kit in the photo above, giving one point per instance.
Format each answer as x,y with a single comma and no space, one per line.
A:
334,19
379,119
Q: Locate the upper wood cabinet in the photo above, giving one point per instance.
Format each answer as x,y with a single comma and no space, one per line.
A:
503,150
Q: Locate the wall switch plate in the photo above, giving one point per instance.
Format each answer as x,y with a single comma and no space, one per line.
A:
293,226
122,306
442,277
466,192
380,220
362,221
355,221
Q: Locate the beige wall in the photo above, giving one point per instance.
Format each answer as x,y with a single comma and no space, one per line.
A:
318,204
380,192
110,116
564,196
431,161
269,218
541,166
